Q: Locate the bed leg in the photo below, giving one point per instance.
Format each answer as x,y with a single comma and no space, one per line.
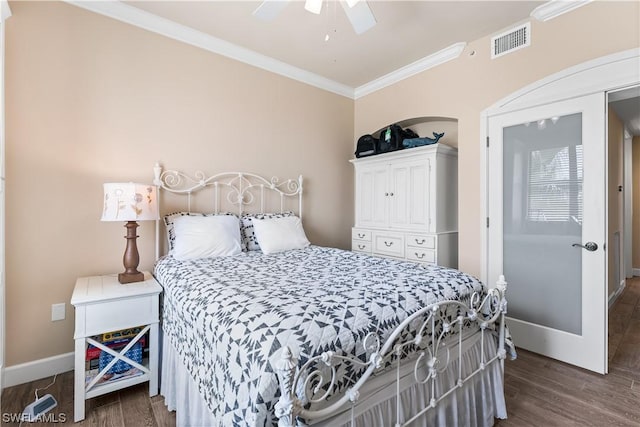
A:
286,408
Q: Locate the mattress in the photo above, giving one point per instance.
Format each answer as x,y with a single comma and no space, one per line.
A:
229,318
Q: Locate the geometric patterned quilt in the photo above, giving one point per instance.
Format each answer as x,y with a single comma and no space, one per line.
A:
228,318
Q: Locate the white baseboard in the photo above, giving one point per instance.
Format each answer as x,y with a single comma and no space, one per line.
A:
616,294
37,369
636,272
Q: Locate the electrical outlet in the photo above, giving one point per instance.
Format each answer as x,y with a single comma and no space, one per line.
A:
57,311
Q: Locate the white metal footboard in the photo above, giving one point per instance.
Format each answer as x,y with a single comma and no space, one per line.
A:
488,313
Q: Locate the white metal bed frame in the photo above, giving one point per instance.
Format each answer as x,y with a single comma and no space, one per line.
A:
487,313
240,190
243,190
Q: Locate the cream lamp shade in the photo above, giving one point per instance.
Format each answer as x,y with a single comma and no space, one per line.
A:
130,202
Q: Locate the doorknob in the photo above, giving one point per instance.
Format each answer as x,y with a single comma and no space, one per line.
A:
590,246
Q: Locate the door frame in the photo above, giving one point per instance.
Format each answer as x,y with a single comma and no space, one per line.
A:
611,72
628,208
601,75
5,13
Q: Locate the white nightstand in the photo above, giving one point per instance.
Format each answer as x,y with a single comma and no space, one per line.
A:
103,305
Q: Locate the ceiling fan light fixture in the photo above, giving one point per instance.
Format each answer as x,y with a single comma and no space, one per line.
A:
358,11
313,6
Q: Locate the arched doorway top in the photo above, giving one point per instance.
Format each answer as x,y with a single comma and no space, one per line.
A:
606,73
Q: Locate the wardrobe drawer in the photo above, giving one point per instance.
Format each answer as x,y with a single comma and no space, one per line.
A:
360,234
389,244
421,255
421,241
361,246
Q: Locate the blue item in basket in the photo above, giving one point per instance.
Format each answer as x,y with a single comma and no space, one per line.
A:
134,353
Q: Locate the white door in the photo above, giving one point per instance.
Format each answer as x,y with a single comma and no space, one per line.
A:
372,195
408,195
547,232
419,194
397,196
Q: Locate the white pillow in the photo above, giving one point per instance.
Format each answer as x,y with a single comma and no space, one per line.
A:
206,236
280,234
247,234
169,219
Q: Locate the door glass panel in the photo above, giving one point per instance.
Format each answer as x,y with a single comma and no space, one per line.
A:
542,207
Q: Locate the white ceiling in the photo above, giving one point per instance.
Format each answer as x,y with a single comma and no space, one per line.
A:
407,31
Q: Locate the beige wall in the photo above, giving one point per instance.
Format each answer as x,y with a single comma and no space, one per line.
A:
464,87
636,202
615,200
92,100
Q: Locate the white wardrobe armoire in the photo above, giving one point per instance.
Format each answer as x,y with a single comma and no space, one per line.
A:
406,205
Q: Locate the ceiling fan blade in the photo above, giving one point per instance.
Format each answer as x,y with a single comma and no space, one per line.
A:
269,9
313,6
360,15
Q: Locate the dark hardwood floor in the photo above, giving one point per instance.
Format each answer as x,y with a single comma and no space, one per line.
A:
128,407
544,392
539,391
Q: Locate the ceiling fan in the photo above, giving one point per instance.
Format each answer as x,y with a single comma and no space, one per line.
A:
357,11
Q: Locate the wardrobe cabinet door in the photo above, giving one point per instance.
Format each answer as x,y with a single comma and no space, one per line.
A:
372,194
398,195
410,195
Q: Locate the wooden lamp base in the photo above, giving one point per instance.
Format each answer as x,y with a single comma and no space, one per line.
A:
125,278
131,258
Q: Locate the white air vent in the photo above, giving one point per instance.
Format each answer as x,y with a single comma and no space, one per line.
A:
511,40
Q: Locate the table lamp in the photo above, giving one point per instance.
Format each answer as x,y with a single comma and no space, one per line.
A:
130,202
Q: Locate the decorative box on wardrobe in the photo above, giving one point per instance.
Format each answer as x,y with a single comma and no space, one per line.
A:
406,205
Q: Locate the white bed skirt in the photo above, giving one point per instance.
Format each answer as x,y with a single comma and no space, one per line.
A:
475,405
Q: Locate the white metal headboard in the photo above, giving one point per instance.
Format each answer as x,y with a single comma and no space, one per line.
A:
238,189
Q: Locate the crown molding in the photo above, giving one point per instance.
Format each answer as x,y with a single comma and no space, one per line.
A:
150,22
555,8
131,15
440,57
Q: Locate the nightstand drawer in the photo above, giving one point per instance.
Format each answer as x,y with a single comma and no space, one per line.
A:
421,241
360,234
361,246
117,314
421,255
